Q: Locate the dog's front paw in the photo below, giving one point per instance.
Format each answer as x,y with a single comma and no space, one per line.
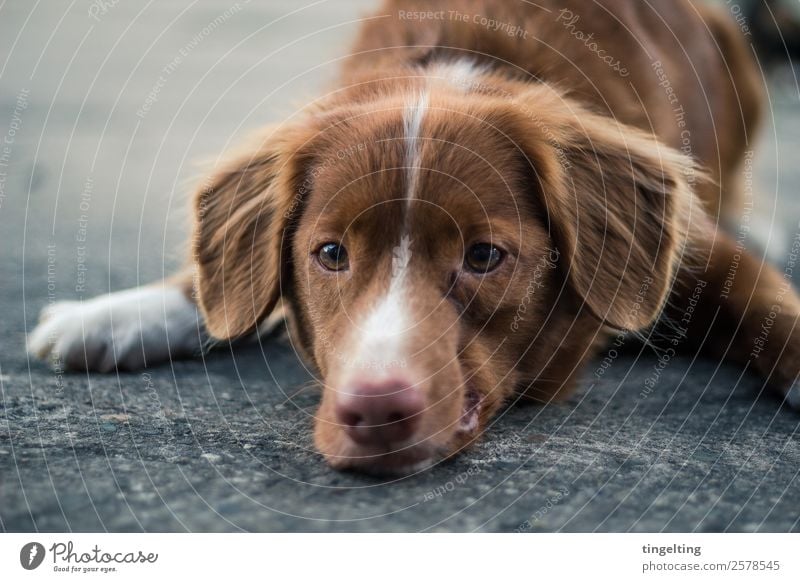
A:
126,330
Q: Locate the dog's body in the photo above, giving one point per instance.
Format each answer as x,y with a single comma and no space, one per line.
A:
492,189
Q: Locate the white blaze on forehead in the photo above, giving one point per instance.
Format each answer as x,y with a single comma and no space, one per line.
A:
412,118
461,73
381,343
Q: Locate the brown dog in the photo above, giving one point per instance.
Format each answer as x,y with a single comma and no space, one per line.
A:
493,189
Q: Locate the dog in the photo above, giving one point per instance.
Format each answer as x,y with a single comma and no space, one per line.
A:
491,191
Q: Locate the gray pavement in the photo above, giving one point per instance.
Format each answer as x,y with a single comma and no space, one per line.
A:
105,115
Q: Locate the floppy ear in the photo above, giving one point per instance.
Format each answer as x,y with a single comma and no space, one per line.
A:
618,203
241,216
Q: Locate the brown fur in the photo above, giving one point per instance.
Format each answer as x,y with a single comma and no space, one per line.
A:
549,150
603,192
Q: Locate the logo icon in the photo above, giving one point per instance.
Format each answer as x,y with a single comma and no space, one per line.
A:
31,555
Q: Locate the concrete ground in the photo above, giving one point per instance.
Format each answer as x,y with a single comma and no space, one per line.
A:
105,109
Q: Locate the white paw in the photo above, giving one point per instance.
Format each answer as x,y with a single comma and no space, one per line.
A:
127,330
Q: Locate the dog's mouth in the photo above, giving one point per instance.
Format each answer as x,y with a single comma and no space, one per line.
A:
470,417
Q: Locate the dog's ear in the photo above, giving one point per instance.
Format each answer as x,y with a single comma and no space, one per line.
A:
241,216
618,204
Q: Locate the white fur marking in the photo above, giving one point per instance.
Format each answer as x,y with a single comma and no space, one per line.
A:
414,114
130,328
461,73
381,345
381,334
401,257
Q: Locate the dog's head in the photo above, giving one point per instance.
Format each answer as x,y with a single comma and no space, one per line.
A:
437,249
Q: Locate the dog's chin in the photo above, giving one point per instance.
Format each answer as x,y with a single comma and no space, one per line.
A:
398,462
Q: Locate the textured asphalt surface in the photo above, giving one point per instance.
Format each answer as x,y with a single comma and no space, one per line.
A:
92,200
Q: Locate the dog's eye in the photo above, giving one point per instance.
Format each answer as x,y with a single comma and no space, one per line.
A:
483,257
333,257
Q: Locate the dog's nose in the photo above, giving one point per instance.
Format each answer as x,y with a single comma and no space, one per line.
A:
380,414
